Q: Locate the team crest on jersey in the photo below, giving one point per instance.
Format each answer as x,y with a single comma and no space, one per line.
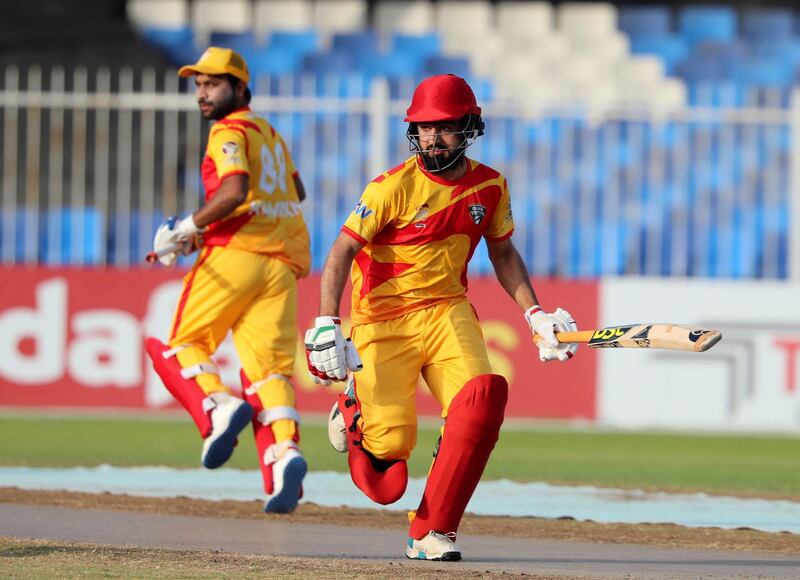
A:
477,211
422,213
230,148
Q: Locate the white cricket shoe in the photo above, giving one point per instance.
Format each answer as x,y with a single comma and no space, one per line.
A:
289,467
229,415
434,546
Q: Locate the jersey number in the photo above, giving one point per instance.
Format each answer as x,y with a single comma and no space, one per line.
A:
273,169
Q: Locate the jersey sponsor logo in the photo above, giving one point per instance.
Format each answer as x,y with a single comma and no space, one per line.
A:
477,211
362,210
230,148
509,214
277,209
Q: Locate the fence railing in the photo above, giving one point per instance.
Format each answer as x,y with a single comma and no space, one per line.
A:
93,163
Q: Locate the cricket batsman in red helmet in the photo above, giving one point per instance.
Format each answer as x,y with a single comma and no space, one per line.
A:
407,245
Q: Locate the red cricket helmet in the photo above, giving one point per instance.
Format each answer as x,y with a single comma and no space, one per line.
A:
442,98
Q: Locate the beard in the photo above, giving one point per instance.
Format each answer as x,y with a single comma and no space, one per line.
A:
220,109
445,157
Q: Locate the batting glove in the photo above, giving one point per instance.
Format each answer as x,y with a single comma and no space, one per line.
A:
545,326
174,232
329,355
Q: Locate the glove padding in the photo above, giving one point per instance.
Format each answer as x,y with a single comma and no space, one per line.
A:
545,325
183,233
329,355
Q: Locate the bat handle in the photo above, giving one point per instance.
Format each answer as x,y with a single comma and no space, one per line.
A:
168,249
578,336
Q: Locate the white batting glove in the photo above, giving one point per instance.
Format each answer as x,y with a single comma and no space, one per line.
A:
329,355
545,325
175,232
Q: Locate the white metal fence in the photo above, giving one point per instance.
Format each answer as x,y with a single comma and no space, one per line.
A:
93,162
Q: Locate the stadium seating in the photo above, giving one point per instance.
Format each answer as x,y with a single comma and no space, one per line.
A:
564,65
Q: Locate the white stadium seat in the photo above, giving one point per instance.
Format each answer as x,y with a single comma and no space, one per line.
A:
158,13
525,20
640,72
221,16
413,17
288,15
332,16
465,18
580,22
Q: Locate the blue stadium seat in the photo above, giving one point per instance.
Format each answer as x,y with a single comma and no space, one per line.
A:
273,61
394,64
301,43
762,71
765,25
671,49
244,43
331,62
440,65
640,21
703,23
177,44
355,43
422,46
78,241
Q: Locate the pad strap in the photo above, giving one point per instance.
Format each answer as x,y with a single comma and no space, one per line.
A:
253,388
276,450
173,351
269,416
199,369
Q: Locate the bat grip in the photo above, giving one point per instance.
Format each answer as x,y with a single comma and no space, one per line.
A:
168,249
578,336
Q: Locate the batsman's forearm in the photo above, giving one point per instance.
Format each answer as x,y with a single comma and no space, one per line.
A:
334,279
513,277
231,194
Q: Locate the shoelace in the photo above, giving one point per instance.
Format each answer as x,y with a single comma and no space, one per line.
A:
449,535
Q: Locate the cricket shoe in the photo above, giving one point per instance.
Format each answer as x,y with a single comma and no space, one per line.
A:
337,425
434,546
289,467
229,415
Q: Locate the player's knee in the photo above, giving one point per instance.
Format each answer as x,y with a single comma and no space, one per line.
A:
394,443
479,407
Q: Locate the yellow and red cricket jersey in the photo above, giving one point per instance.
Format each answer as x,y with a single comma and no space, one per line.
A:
270,220
420,232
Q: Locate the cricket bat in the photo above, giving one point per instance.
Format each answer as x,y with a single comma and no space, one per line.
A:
648,335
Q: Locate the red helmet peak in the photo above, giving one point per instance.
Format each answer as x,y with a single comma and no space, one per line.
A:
442,98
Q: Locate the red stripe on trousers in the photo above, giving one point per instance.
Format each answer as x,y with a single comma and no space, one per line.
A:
186,289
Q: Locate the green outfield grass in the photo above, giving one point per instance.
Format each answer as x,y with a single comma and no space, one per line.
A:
758,465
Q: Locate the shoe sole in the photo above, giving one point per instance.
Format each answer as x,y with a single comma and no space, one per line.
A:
446,557
221,450
286,500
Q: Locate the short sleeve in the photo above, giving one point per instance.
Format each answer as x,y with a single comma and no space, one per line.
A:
227,147
502,224
371,214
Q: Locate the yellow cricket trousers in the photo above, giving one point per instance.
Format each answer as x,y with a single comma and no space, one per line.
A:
255,297
443,342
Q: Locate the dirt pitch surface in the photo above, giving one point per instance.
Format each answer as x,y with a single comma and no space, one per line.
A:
236,539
